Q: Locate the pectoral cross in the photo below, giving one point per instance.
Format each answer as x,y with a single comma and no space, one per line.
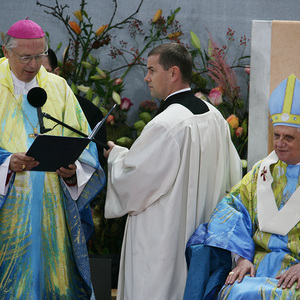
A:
263,173
34,134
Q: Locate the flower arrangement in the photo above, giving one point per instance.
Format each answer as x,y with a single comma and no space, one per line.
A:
81,67
214,79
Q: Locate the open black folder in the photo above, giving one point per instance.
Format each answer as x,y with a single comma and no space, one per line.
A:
53,152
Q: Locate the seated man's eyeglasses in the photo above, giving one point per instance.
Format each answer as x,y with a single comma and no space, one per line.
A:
28,59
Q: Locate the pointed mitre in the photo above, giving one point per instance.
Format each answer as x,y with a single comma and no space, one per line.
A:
284,103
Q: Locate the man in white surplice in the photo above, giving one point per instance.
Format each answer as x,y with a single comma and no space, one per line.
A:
169,181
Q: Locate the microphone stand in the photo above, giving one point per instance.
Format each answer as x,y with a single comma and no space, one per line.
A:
41,122
63,124
95,130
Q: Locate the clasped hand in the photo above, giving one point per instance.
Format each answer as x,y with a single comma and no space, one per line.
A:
244,266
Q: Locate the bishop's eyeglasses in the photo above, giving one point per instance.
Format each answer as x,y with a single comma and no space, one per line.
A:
27,59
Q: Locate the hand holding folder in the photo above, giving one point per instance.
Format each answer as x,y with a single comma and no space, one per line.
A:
53,152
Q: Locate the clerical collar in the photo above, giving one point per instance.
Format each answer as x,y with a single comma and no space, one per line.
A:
21,87
179,91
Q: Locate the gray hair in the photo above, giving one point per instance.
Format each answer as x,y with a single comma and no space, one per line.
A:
10,42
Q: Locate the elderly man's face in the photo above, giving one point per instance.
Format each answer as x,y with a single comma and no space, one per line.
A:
25,47
287,143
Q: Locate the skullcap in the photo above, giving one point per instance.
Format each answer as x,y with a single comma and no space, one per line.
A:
26,29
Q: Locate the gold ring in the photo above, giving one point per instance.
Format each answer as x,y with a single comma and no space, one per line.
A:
231,273
23,167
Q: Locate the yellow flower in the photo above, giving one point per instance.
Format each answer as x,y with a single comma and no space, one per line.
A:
78,15
75,27
157,15
233,120
100,30
174,35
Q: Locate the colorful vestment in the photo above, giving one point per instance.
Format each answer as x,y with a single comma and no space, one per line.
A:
235,226
43,231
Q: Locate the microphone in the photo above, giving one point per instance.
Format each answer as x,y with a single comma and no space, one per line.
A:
37,97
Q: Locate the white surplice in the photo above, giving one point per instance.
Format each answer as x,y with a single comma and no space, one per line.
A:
169,182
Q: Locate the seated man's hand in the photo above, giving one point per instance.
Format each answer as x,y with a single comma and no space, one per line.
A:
289,277
244,266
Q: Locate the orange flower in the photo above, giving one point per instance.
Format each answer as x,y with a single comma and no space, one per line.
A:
157,15
117,81
78,15
233,120
239,131
75,27
110,120
100,30
174,35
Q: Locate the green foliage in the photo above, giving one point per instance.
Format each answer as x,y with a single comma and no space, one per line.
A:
216,80
81,67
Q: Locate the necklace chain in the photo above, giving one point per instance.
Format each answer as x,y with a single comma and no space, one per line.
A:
35,130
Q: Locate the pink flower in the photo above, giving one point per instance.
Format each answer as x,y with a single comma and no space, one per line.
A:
118,81
233,120
200,96
125,104
148,106
247,70
215,96
239,131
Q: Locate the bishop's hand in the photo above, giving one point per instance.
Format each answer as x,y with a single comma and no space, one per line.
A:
20,162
